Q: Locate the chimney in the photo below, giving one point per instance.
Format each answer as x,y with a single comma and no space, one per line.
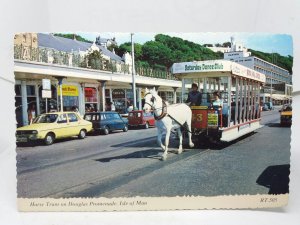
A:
98,40
232,41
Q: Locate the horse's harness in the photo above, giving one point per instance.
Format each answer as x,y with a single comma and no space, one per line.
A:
164,108
164,112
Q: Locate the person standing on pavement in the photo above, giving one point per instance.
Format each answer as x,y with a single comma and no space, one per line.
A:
31,113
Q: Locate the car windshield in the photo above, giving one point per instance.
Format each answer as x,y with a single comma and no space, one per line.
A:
46,118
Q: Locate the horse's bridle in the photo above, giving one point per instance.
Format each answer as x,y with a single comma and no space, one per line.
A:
164,107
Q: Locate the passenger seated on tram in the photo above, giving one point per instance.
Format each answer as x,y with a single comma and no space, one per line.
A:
218,102
195,96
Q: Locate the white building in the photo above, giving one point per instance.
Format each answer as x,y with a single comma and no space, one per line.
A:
275,75
219,49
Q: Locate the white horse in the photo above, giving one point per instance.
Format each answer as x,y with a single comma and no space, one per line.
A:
168,117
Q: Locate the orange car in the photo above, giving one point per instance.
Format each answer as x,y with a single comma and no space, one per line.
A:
140,119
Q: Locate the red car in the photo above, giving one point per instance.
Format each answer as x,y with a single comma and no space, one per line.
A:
140,119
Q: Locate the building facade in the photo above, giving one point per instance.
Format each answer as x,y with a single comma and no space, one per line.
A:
75,81
275,75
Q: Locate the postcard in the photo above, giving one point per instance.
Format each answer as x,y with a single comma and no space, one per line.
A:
152,121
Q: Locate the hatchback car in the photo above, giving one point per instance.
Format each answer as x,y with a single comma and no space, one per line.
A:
106,122
51,126
140,119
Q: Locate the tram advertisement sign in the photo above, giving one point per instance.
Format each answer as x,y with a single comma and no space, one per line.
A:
212,119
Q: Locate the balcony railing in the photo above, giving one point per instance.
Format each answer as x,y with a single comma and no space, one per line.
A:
74,59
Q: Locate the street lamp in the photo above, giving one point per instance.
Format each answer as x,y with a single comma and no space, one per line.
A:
133,72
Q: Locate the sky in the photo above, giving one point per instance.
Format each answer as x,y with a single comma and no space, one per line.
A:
265,42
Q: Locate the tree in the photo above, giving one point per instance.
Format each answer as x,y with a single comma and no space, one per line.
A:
126,47
156,53
113,47
92,60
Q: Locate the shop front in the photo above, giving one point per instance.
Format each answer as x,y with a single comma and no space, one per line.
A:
91,99
119,100
70,93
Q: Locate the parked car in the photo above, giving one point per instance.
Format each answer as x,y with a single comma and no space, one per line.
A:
286,115
106,122
51,126
140,119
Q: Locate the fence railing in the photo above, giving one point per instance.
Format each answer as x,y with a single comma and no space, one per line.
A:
74,59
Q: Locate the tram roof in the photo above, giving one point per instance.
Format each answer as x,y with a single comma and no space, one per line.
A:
213,68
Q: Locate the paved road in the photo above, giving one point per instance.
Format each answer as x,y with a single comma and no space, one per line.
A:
127,164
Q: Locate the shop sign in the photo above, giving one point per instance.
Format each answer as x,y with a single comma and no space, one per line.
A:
46,84
68,90
46,94
118,93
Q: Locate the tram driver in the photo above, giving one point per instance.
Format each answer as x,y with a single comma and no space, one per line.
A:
194,96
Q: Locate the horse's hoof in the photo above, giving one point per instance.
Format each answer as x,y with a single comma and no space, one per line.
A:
164,157
191,145
179,151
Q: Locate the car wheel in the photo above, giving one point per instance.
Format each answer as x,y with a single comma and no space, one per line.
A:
82,134
125,129
146,125
106,131
49,139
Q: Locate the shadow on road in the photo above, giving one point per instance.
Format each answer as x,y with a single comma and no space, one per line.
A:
148,153
206,143
145,140
277,125
273,124
276,178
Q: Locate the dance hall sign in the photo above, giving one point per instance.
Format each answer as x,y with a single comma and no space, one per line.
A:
217,66
201,66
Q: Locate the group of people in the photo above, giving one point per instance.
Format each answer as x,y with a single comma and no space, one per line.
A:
195,97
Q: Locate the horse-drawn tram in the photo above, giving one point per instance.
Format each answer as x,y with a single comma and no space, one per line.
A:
230,104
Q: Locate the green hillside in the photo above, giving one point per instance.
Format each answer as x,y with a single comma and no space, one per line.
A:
165,50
